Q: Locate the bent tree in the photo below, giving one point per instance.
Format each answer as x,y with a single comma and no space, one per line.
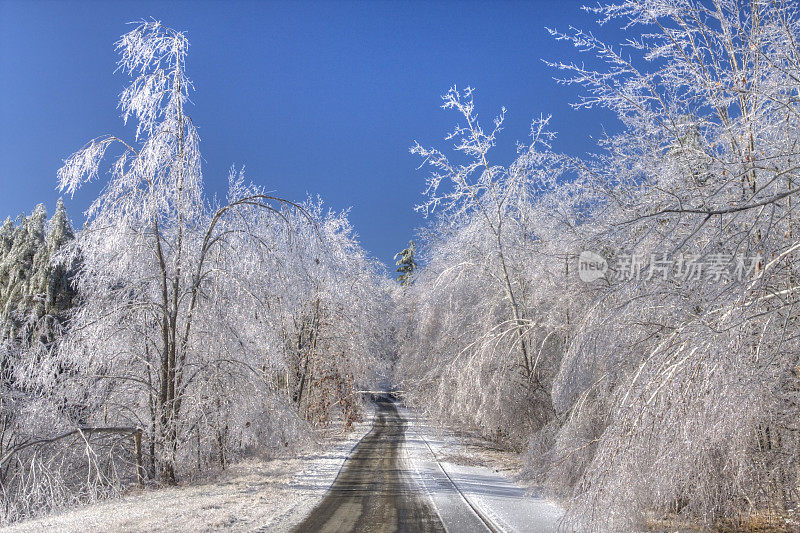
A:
148,270
495,196
674,378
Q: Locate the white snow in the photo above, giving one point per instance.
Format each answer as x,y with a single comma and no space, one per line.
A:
255,494
507,505
276,494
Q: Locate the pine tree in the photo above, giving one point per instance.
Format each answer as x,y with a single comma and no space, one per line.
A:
406,265
32,283
6,240
18,269
6,237
52,278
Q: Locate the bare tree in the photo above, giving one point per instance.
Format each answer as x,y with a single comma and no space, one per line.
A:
178,317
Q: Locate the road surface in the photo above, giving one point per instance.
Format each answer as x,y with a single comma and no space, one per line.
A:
375,491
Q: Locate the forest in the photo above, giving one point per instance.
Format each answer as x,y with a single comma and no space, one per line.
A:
624,320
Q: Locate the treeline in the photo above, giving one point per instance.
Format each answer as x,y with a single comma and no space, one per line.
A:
211,328
34,284
36,301
629,319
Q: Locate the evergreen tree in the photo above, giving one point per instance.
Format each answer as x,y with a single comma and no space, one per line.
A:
406,265
6,237
32,283
6,240
18,268
52,278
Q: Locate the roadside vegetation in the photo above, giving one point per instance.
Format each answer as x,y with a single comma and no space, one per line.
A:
173,333
666,388
626,320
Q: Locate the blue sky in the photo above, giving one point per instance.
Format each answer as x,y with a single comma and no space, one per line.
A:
312,97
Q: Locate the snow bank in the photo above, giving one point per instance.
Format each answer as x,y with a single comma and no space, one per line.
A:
466,492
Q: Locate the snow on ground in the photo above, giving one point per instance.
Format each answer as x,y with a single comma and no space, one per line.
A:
276,494
441,460
255,494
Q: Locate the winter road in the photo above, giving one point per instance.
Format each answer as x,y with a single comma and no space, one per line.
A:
376,491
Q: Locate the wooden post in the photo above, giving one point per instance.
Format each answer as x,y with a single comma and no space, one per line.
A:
137,446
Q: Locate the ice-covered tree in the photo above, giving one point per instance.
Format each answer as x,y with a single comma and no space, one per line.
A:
37,300
185,298
18,269
35,282
672,383
494,347
149,236
705,169
406,264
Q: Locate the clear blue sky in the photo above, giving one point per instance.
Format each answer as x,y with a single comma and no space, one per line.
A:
322,98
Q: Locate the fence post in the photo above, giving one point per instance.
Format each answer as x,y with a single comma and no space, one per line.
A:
137,446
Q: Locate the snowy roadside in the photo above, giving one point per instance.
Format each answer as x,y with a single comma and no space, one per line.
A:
255,494
443,460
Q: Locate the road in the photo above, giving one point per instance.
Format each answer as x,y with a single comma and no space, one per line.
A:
375,492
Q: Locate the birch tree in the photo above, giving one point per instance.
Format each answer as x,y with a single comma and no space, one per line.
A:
183,299
479,187
486,238
153,247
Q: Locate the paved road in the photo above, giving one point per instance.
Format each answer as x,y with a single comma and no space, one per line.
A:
373,492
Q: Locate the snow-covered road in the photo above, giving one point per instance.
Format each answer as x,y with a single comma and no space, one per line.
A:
399,478
411,475
500,503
